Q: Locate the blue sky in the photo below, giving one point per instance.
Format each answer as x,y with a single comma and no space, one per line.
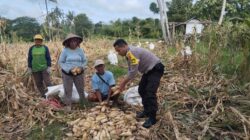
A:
96,10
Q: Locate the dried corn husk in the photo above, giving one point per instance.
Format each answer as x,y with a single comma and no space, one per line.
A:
108,123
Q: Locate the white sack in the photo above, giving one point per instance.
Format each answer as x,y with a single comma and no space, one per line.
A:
132,96
112,57
59,90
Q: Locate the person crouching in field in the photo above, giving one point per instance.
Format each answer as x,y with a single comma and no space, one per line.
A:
39,63
72,61
147,63
102,83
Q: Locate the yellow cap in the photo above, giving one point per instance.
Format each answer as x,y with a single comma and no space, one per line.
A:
38,36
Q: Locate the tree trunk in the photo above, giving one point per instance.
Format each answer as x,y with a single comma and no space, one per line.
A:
222,12
46,4
162,20
166,20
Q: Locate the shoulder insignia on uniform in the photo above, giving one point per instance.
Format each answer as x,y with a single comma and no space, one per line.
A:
132,58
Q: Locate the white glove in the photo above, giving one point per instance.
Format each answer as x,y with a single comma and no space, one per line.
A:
48,70
29,70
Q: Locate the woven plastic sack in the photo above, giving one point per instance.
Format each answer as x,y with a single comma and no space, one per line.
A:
132,96
59,91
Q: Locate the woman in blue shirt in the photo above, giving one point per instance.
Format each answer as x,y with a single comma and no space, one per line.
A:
72,58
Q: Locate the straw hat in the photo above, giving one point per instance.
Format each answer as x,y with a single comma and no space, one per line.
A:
70,36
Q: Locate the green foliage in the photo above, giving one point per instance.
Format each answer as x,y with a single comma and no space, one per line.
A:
54,19
148,28
179,10
210,9
226,49
207,9
4,29
153,7
172,51
83,26
25,27
116,70
229,61
238,8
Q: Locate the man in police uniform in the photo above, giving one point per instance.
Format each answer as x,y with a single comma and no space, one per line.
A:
150,66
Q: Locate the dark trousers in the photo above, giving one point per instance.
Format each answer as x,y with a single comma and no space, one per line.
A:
148,87
68,81
42,80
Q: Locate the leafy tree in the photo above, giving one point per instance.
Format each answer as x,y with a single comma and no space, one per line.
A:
56,18
83,26
210,9
25,27
136,27
117,28
238,8
154,8
146,28
207,9
98,28
179,10
69,23
5,27
46,27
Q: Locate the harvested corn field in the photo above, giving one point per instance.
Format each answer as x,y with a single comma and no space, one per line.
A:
194,103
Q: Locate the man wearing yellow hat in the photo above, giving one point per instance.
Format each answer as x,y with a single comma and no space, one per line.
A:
39,63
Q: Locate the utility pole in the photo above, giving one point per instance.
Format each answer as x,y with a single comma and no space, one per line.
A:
164,20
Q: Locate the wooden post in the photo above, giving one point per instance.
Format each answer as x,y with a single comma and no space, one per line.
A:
173,34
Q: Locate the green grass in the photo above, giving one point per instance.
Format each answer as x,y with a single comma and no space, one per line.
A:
52,131
116,70
227,61
171,50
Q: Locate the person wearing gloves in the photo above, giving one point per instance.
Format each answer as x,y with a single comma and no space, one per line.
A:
145,62
72,61
39,63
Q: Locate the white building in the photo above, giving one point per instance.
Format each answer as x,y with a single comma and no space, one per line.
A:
193,26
